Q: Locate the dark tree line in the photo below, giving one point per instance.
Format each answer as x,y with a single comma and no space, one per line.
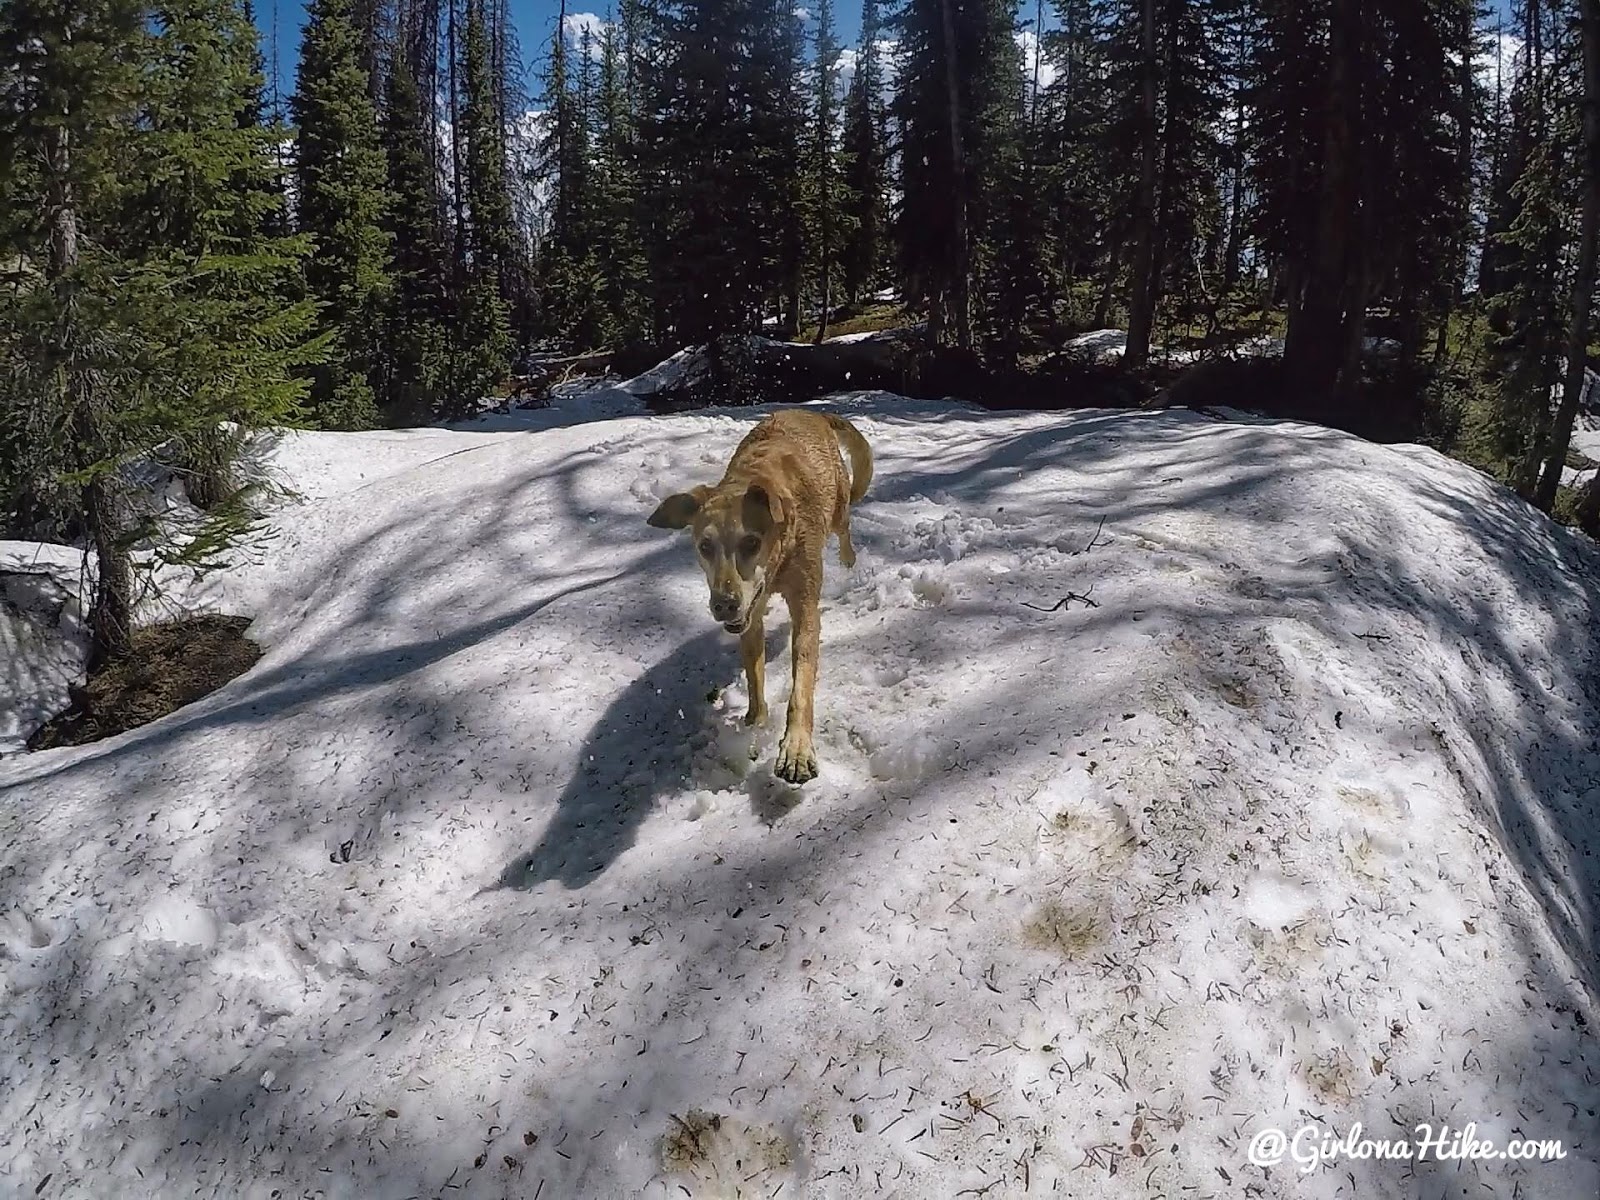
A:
1339,172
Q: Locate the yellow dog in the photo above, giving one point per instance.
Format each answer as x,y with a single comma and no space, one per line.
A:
762,530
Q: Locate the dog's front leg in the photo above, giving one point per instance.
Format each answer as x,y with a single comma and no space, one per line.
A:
797,761
753,649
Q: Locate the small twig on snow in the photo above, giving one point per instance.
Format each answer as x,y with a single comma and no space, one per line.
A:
1064,602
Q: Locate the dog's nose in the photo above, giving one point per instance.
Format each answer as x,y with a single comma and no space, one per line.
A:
725,608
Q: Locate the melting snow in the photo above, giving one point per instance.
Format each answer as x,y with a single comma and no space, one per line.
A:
476,885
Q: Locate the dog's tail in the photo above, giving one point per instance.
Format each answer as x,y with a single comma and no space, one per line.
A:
854,445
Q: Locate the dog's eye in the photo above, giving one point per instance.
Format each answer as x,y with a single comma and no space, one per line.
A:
707,548
750,545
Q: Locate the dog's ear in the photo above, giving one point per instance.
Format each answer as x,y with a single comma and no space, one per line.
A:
675,512
764,507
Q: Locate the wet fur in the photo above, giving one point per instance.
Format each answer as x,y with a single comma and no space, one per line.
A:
766,525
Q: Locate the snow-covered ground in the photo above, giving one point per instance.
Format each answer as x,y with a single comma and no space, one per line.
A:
1109,345
897,333
1586,441
475,885
43,640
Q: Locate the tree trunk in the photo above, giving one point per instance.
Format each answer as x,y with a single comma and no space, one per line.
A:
960,272
1496,199
111,610
457,183
1465,80
1331,306
1234,248
1168,190
827,286
792,309
1141,302
1102,308
825,199
1584,277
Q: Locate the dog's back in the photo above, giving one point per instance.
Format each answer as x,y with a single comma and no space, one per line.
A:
801,448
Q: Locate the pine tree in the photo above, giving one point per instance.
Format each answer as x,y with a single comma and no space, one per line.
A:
864,172
774,175
719,126
1429,175
956,87
483,332
1355,164
1525,312
825,164
1237,33
71,68
1146,140
484,127
1581,305
155,307
618,248
367,18
341,201
418,325
1014,227
1164,65
208,214
1079,181
574,309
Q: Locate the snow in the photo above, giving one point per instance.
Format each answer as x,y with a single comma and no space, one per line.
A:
667,374
578,402
475,885
319,466
899,333
1585,434
43,640
1100,345
1109,345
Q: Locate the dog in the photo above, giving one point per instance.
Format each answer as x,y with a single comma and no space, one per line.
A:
763,530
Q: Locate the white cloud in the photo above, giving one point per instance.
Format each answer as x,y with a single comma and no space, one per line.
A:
844,67
850,56
1499,62
1028,43
573,26
804,14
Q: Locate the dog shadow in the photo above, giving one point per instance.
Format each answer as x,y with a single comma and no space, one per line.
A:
640,747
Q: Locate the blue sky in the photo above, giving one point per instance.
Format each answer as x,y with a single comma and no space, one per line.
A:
534,19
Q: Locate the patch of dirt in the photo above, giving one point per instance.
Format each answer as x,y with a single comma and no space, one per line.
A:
1071,933
723,1151
171,664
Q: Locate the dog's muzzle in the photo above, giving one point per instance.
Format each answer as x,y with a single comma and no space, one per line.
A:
742,618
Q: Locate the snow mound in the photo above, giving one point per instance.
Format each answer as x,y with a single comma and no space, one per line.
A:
1100,345
1180,778
1585,436
899,334
44,642
681,371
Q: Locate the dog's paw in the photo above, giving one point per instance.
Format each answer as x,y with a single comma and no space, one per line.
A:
756,716
797,762
847,558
